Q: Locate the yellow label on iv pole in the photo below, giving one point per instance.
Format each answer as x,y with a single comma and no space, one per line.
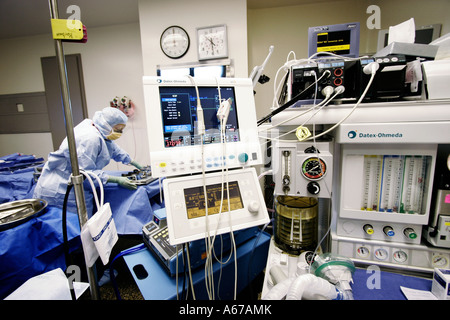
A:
302,133
63,29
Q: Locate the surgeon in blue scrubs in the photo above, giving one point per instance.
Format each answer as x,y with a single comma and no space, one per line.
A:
95,148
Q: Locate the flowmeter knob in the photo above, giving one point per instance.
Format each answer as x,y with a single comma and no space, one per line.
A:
389,231
368,229
410,233
313,187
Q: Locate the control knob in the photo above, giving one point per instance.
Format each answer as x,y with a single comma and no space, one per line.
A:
313,187
253,206
410,233
389,231
368,229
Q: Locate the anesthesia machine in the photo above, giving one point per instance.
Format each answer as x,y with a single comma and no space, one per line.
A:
360,151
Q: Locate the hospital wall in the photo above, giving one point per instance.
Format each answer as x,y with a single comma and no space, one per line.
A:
156,15
112,65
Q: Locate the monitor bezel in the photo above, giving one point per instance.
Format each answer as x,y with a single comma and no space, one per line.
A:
246,118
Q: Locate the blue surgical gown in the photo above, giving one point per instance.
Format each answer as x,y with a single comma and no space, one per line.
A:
94,153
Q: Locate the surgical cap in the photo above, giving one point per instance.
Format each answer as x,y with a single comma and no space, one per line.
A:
107,118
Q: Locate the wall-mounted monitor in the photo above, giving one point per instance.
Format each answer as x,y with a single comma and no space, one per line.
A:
341,39
176,148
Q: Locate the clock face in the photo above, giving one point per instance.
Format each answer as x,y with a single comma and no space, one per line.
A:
174,42
212,42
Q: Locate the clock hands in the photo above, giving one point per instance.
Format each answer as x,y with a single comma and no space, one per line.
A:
173,37
211,40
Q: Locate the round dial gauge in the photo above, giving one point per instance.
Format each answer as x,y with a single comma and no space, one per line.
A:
363,252
314,168
400,256
381,254
174,42
439,260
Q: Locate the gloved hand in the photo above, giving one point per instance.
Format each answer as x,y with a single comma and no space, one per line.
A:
136,164
123,182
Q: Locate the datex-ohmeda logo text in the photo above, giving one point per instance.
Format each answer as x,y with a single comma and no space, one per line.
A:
353,134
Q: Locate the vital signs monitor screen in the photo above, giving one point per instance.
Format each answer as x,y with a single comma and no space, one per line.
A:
337,42
179,115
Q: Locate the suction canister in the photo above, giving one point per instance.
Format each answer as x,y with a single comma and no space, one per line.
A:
296,223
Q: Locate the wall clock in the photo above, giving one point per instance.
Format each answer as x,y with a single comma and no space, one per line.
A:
174,42
212,42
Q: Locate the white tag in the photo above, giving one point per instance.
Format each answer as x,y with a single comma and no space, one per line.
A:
103,232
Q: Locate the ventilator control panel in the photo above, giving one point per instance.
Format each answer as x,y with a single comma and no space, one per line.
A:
204,205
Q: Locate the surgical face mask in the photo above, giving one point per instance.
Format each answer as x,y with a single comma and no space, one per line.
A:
114,135
116,132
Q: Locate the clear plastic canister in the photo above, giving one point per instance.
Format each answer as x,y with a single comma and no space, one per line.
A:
296,223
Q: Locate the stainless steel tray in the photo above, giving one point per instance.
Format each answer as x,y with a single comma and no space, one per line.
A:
17,212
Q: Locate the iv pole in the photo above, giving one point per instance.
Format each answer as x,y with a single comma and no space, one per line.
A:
77,179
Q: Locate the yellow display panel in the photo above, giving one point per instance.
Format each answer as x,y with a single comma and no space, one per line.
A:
195,199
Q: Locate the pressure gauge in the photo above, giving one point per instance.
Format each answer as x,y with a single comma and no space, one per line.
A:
381,254
363,252
400,256
313,168
439,261
174,42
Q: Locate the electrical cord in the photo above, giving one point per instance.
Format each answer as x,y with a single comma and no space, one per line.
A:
372,76
209,279
325,101
373,73
287,66
290,63
371,69
298,97
323,238
111,269
190,273
223,119
66,248
222,115
321,105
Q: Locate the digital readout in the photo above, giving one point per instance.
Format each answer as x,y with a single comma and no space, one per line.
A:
195,199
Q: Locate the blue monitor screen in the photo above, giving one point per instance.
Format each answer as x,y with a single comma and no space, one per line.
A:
179,115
